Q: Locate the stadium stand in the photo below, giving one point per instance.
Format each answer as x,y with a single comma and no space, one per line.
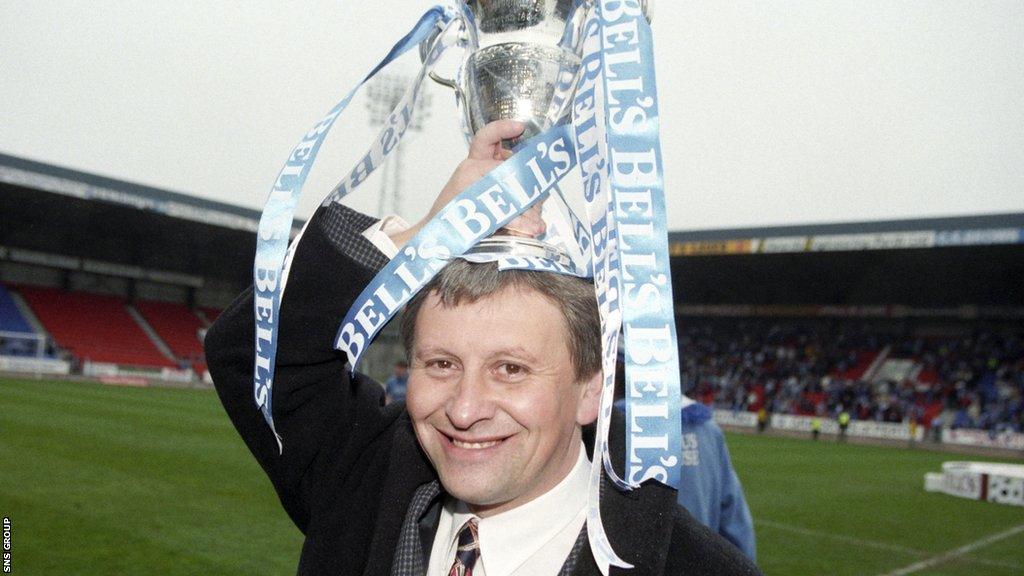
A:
771,316
974,379
179,328
76,234
93,327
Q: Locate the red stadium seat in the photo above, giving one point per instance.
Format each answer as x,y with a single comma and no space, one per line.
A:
94,327
178,327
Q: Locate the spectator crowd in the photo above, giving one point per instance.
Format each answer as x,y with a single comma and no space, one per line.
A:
970,378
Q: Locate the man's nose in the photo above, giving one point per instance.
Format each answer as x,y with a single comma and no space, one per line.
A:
470,402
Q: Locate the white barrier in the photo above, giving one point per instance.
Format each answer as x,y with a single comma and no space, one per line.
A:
105,370
99,369
884,430
176,375
793,423
992,482
804,424
741,419
1005,440
34,365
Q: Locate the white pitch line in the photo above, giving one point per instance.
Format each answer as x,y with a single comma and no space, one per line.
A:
873,544
947,556
841,538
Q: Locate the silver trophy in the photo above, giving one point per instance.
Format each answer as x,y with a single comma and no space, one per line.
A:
521,61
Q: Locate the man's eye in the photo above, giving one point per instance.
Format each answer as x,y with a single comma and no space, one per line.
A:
440,364
512,370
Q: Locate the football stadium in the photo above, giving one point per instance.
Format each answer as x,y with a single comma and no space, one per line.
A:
118,454
847,285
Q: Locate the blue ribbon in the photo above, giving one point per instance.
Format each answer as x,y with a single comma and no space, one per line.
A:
615,116
276,221
592,148
476,213
653,397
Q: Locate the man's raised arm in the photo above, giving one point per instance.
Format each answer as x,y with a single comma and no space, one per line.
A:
325,418
316,407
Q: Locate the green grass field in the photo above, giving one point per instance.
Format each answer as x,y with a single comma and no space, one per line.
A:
106,480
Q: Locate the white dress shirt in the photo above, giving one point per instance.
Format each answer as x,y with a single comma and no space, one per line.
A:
378,234
531,540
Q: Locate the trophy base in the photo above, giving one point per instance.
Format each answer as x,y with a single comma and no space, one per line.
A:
502,246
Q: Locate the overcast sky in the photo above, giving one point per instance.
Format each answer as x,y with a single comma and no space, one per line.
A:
773,112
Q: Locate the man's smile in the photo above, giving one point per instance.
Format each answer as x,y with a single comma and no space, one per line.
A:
455,443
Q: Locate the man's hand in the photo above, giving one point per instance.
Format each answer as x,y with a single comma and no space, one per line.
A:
485,154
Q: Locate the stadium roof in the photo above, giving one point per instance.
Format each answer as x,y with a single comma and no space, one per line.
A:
66,219
82,185
894,234
983,230
62,218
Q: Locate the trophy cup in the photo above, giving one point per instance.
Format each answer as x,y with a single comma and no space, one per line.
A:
521,61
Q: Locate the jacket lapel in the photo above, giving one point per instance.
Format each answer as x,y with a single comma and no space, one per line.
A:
639,526
408,473
411,553
638,522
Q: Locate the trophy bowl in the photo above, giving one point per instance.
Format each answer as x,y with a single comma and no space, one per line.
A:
521,61
519,81
526,56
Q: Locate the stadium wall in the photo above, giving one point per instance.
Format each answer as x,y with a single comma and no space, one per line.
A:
38,366
792,423
903,432
982,439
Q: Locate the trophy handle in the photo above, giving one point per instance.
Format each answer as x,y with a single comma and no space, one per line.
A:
425,47
445,82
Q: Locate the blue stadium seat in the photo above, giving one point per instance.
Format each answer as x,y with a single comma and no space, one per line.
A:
11,320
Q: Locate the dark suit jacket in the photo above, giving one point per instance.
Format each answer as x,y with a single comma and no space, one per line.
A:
350,466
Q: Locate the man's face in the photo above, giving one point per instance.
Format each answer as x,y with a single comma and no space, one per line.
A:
494,399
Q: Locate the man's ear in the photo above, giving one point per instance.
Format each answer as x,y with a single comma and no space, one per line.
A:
590,400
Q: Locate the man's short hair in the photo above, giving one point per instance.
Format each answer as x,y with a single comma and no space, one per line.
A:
462,282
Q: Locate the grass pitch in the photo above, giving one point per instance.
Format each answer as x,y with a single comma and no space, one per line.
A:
845,509
105,480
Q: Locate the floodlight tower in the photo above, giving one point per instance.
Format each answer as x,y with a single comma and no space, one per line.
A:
384,93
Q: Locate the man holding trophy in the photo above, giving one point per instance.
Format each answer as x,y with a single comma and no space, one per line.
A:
483,470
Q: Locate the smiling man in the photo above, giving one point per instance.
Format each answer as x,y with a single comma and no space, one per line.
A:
498,407
482,471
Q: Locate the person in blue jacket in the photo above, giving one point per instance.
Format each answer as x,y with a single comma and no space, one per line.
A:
709,488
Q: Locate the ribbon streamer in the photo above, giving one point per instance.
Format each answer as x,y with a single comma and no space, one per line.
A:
269,271
493,201
653,397
591,142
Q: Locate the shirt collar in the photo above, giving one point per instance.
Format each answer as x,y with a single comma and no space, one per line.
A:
510,538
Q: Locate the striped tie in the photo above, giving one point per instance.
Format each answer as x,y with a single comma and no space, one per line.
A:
468,552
